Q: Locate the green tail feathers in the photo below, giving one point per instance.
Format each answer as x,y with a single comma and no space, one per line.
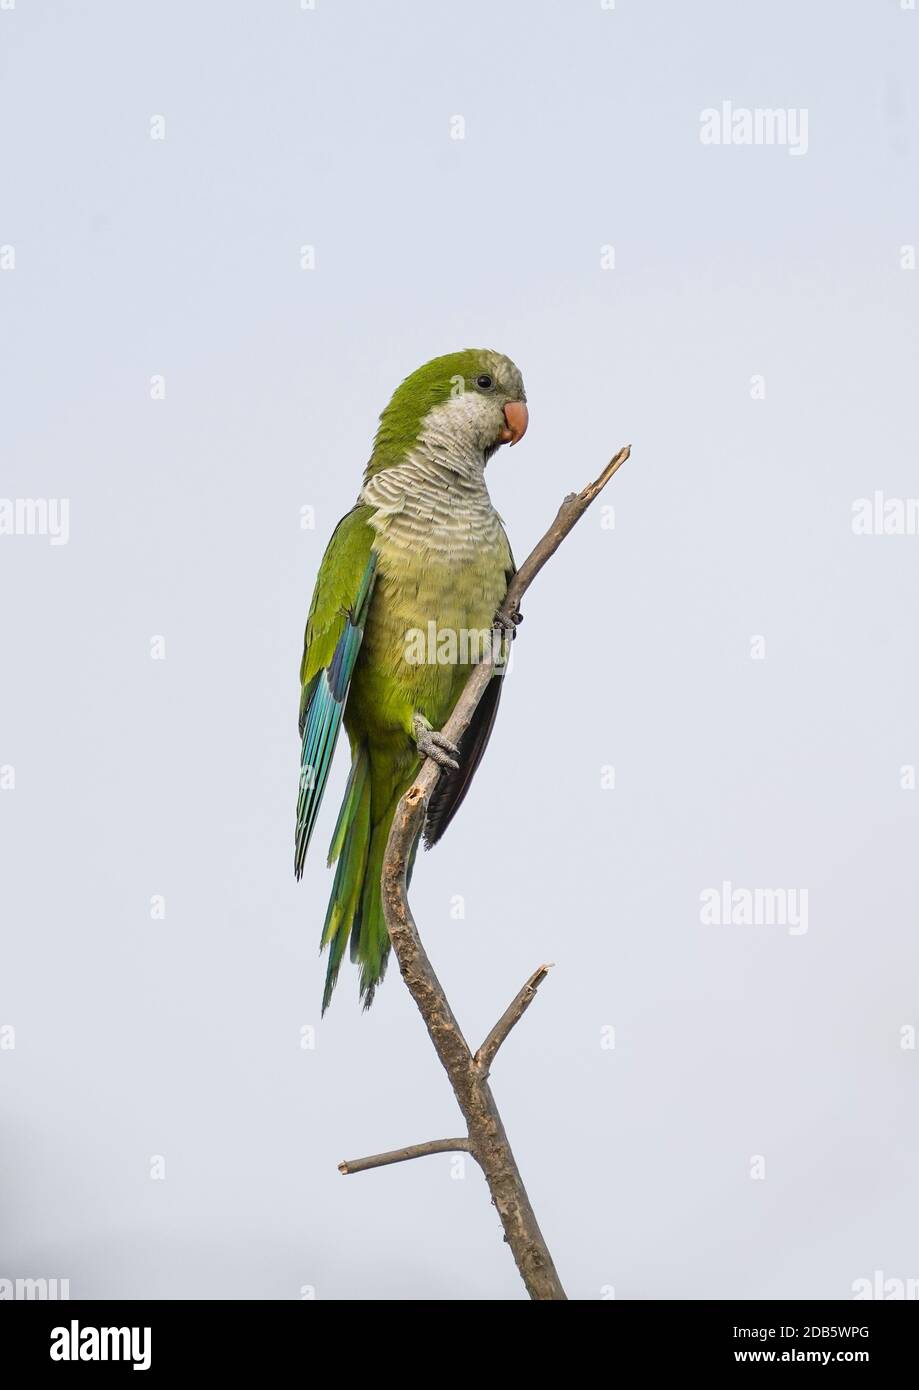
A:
355,911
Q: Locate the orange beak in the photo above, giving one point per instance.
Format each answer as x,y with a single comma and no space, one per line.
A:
516,418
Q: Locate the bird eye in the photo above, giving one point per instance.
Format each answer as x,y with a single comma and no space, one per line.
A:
484,382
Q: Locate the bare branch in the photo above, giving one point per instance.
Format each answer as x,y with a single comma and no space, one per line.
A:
487,1141
433,1146
570,512
512,1014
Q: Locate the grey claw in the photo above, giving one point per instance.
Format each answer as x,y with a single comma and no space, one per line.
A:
439,751
432,744
508,625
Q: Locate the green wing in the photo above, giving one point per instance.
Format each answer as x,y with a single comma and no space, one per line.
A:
334,632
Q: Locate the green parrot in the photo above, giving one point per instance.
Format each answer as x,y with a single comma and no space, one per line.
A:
422,546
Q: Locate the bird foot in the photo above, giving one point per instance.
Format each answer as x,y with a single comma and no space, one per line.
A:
508,625
433,745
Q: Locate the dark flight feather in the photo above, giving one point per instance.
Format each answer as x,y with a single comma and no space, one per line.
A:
453,785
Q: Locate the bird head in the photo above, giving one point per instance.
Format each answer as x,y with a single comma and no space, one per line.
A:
475,399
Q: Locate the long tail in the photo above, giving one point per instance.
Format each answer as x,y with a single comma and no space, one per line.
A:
355,909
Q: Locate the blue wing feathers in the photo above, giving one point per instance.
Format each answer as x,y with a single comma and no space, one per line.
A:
325,706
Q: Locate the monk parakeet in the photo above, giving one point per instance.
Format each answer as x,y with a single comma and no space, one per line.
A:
423,545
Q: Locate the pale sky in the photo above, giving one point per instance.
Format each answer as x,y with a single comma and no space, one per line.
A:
742,659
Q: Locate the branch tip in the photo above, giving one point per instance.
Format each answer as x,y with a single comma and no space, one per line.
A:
511,1016
431,1146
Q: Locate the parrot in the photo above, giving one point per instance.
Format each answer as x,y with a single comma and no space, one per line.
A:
423,545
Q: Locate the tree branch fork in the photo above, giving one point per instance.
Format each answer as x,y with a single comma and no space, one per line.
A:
479,1064
469,1071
